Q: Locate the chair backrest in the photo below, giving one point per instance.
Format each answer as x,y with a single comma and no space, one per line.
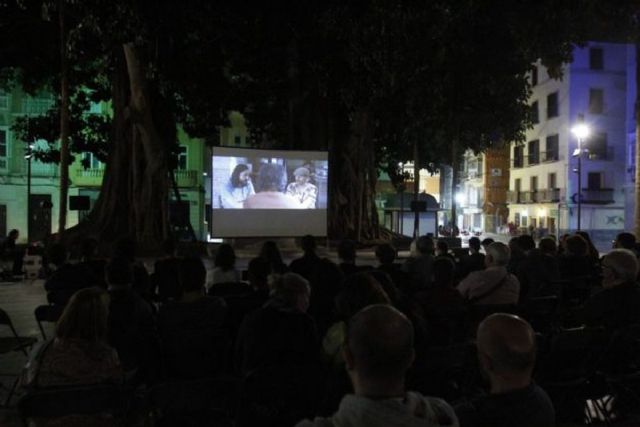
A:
84,400
47,313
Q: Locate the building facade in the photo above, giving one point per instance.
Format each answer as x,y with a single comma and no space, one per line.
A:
597,88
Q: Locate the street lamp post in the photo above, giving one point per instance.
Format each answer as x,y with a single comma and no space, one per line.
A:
28,155
581,131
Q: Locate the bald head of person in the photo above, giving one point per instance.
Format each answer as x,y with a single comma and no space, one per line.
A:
507,351
379,348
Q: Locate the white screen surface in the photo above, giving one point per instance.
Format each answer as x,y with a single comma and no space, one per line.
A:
271,193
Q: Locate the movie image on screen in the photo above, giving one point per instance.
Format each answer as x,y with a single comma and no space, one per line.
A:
269,183
258,193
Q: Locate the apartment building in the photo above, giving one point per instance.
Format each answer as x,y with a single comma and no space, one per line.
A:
597,88
482,190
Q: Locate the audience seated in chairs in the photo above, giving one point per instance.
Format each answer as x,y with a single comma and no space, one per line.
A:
90,261
79,354
271,253
132,327
281,332
125,248
309,261
575,261
538,270
192,339
347,256
378,352
495,285
475,260
420,264
626,241
66,278
507,353
164,282
224,266
386,255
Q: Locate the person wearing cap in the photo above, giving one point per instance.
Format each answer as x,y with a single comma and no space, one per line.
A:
302,190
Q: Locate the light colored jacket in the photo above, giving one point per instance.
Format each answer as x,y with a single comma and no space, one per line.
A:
480,282
414,410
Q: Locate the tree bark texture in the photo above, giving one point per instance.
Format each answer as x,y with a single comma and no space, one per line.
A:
64,120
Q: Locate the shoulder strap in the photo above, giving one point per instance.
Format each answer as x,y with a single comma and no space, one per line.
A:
489,291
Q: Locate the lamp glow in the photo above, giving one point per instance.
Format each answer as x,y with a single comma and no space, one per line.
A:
461,198
581,131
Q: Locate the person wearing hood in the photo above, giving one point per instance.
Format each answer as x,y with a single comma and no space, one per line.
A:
378,352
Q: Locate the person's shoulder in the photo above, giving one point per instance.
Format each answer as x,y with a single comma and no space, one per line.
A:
317,422
438,411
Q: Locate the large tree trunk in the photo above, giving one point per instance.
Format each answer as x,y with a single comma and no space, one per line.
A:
352,210
64,120
637,183
133,200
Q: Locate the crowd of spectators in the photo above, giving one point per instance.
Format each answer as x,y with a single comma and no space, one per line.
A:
370,342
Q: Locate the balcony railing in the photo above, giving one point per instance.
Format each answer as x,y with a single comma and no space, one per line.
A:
89,177
528,197
186,178
532,159
90,173
607,154
550,156
601,196
549,195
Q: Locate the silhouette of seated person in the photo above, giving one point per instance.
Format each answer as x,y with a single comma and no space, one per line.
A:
90,261
270,252
347,255
507,353
486,242
78,355
442,304
616,305
326,283
475,260
66,278
386,255
517,253
378,351
224,266
419,265
193,342
270,189
164,281
12,253
125,248
442,250
494,285
309,261
280,333
575,261
626,240
359,290
132,326
539,269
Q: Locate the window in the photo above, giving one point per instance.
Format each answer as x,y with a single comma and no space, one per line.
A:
516,219
597,146
551,155
534,152
4,150
182,158
90,161
518,156
594,181
517,184
534,75
551,181
36,106
4,101
596,58
552,105
533,183
237,140
596,101
3,220
523,221
535,115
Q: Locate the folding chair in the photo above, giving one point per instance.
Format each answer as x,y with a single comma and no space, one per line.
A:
13,343
47,313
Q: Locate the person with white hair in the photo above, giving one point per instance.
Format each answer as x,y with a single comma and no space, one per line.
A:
302,189
618,304
494,285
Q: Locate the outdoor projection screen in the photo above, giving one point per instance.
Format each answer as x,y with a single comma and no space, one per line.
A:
271,193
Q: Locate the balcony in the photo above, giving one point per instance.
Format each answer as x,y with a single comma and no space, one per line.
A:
600,196
550,195
518,162
89,177
528,197
550,156
606,154
186,178
532,159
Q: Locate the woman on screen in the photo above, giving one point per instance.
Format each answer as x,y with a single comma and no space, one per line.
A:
302,190
237,189
271,182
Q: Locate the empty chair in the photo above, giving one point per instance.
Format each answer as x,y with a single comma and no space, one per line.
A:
13,343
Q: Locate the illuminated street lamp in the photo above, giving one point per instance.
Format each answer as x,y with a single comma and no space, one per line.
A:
28,155
581,132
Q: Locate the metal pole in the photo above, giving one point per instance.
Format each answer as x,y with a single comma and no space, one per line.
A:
579,181
29,196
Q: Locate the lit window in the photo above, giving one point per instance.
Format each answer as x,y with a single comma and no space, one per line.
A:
182,158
